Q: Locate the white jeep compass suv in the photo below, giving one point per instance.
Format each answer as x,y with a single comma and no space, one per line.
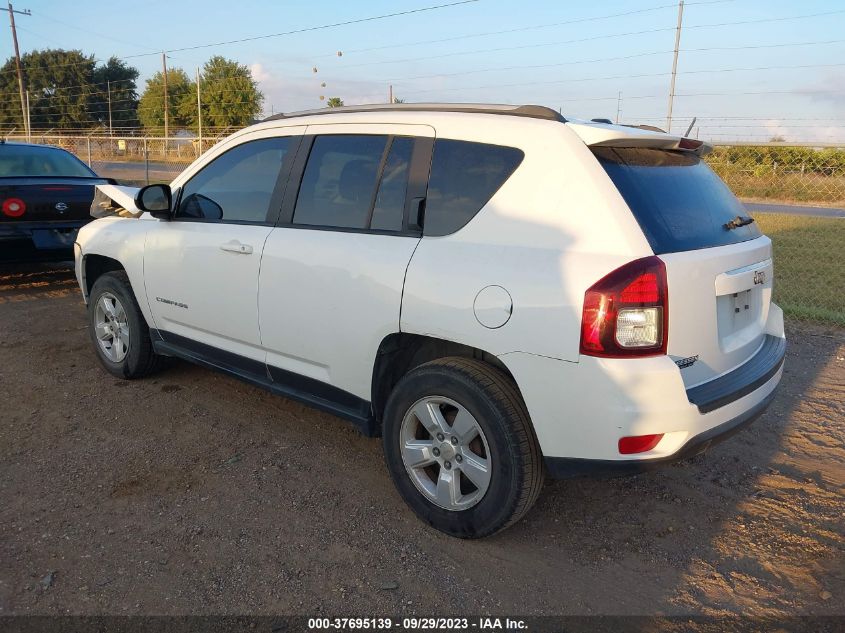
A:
498,292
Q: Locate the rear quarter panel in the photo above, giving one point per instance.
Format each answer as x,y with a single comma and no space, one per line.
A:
554,228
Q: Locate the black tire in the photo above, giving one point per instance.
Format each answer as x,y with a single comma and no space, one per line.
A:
140,360
517,465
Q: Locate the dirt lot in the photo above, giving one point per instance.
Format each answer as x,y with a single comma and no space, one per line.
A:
194,493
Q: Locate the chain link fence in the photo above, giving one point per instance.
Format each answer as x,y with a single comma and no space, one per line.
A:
131,160
795,192
781,173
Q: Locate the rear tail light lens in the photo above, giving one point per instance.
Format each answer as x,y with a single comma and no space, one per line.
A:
638,443
639,327
626,312
14,207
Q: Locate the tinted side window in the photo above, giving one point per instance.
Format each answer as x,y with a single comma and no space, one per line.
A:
389,209
339,181
236,186
464,176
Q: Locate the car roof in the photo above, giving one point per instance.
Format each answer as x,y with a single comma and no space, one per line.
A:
18,144
529,111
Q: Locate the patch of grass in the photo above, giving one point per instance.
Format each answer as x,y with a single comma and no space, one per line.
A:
809,257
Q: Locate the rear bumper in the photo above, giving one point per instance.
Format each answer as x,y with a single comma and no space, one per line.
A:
742,380
39,235
581,410
566,467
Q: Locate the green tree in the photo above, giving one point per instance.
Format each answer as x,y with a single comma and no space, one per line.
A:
334,102
60,89
117,78
230,96
151,105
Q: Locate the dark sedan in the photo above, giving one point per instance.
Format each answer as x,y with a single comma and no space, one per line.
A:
45,196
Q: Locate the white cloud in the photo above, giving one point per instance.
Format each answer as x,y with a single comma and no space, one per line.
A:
284,94
259,73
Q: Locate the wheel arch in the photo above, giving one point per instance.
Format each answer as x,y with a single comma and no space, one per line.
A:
95,266
400,352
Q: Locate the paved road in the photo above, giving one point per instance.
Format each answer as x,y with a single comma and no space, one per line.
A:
135,172
822,212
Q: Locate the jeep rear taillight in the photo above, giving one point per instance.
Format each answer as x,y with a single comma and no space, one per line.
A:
626,312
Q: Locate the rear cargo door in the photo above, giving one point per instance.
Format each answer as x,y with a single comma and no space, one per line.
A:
718,264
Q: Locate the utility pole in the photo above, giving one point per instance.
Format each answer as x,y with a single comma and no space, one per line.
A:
21,89
618,106
28,122
164,70
108,90
675,64
199,111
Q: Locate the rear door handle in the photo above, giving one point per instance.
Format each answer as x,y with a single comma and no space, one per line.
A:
417,215
236,247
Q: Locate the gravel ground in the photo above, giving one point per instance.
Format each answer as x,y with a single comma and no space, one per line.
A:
193,493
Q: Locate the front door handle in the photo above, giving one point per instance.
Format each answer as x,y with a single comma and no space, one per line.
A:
236,247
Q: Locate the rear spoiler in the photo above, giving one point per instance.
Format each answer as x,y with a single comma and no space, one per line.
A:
603,135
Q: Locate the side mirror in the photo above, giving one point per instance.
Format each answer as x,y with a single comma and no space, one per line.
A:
156,199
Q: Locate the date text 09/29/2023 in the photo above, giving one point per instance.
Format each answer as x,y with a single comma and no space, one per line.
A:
481,624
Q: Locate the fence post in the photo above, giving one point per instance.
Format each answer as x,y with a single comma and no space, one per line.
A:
146,162
89,150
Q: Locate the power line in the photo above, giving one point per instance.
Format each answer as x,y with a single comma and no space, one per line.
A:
82,92
509,48
764,20
604,59
625,76
207,82
529,67
324,26
95,33
520,29
757,46
503,32
292,32
586,39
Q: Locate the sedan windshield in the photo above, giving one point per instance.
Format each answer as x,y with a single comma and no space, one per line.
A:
26,160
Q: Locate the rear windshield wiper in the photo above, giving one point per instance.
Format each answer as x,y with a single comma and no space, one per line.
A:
739,221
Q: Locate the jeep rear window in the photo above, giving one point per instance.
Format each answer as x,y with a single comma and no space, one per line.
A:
464,176
678,201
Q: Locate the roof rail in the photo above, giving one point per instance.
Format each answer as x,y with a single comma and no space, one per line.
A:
530,111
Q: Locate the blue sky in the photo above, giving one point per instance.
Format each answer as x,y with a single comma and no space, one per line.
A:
565,55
